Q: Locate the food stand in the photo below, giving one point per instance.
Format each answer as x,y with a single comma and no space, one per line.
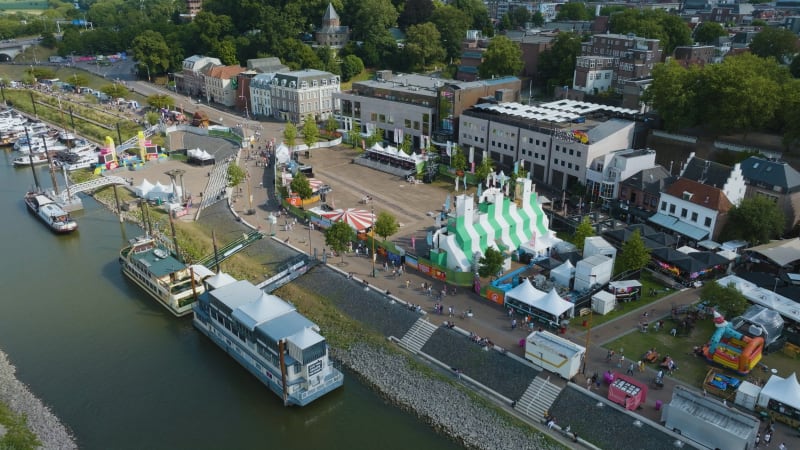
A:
627,391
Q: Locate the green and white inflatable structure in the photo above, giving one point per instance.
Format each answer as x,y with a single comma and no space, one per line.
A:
498,222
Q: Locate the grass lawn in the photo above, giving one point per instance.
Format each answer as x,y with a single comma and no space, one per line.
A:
365,74
691,369
648,283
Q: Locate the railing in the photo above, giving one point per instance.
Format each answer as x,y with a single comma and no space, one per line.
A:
91,185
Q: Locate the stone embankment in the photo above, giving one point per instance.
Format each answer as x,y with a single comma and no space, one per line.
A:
41,421
445,407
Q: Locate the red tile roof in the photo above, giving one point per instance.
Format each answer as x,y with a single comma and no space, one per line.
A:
225,72
702,194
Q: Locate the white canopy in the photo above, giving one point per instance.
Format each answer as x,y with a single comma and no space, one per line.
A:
199,154
263,309
282,154
525,293
143,188
553,304
563,274
784,390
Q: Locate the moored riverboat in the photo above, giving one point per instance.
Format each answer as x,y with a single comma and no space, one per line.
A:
268,337
174,284
50,213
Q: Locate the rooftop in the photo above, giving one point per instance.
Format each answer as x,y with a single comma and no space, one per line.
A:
771,173
700,194
706,172
653,180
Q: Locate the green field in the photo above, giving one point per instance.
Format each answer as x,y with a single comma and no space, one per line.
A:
22,5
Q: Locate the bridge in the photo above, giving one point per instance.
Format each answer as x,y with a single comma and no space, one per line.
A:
134,141
90,185
230,249
11,48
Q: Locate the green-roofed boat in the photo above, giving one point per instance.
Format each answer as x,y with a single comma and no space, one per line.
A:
155,269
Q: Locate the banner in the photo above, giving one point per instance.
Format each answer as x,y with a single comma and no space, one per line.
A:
424,268
411,261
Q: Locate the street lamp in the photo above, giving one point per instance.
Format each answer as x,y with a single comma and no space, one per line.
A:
775,288
373,241
246,111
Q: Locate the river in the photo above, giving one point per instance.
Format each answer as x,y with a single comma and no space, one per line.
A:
121,372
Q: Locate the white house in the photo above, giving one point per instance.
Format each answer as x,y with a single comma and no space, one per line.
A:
296,95
221,84
606,172
696,206
593,74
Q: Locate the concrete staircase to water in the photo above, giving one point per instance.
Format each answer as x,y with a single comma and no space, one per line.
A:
416,337
537,399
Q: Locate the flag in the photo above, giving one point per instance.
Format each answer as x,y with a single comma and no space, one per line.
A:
516,167
471,154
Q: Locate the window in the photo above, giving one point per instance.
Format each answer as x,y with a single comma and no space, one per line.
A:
537,142
708,221
505,146
672,209
577,167
663,206
558,147
562,163
555,160
579,154
570,151
569,165
694,217
373,117
683,212
408,123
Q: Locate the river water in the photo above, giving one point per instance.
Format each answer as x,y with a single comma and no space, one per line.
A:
121,372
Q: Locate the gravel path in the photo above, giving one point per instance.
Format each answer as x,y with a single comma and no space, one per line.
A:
48,428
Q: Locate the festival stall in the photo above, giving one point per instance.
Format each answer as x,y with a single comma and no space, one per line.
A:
603,302
553,353
200,157
591,271
523,297
358,219
780,398
562,275
627,391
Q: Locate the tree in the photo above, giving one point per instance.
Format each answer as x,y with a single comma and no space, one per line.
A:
290,134
235,175
794,68
742,93
490,263
452,24
48,40
331,125
756,220
405,146
115,90
537,19
584,230
674,95
574,11
338,236
484,168
476,10
151,52
298,55
386,225
778,43
151,117
78,80
310,131
414,12
557,64
634,256
372,19
301,186
502,57
42,73
423,45
351,66
161,101
708,32
515,18
458,160
727,300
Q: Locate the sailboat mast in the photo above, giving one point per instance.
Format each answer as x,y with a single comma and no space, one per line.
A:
30,159
50,165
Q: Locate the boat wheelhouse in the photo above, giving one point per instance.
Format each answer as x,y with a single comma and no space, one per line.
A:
156,270
266,335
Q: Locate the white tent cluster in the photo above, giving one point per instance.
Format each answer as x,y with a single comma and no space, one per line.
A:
548,302
200,155
394,152
158,191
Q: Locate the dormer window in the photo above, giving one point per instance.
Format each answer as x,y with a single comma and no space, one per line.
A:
706,199
292,84
687,196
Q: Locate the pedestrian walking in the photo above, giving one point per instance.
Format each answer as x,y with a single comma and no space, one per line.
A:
641,366
782,446
513,324
609,355
767,437
510,312
450,311
621,361
631,366
758,439
408,284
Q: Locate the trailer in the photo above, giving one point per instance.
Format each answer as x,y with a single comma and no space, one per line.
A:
553,353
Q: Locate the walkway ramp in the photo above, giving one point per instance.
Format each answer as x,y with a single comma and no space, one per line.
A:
416,337
91,185
290,270
231,249
538,398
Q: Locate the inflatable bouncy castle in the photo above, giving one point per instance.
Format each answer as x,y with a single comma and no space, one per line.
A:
731,349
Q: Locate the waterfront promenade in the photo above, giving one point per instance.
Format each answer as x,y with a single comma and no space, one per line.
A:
411,204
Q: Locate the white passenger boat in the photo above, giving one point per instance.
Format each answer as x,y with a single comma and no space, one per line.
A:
268,337
156,270
37,159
